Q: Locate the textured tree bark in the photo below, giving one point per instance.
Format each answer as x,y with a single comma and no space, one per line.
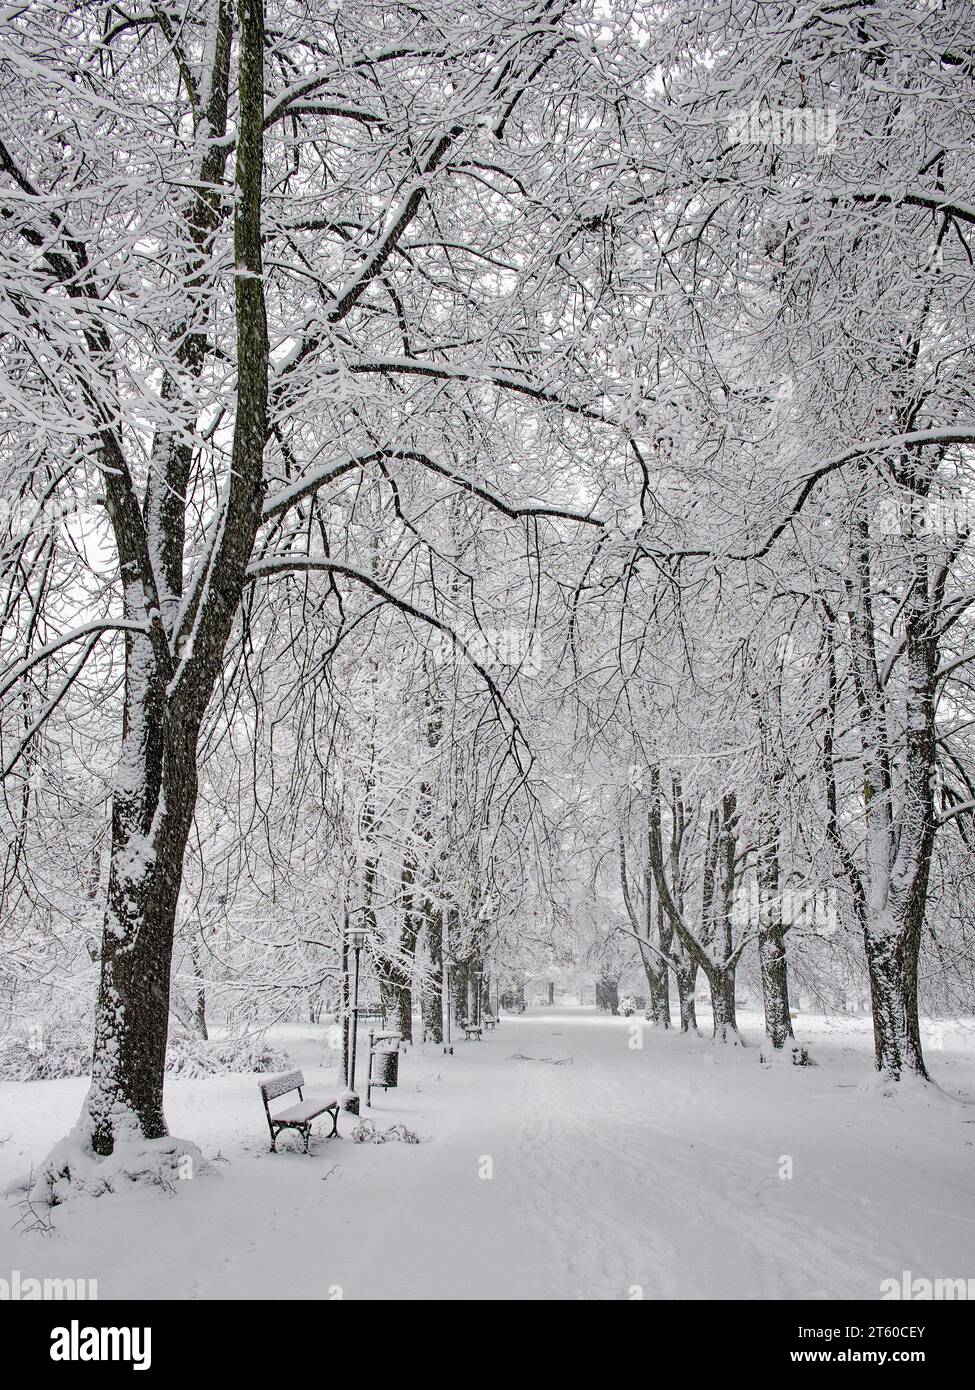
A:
773,962
404,1012
711,949
721,982
775,986
892,964
654,936
656,969
166,694
459,990
894,884
432,993
456,974
475,967
396,972
721,964
686,970
200,1008
149,833
397,996
607,993
685,964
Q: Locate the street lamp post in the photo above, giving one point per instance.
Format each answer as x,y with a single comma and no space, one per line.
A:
448,1046
478,979
357,939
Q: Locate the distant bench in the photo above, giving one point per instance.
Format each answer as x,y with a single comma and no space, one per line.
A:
298,1116
472,1031
489,1022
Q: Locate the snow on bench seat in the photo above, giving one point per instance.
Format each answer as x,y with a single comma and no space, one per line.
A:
307,1110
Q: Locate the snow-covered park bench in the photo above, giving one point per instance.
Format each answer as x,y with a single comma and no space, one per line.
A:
298,1116
489,1022
472,1031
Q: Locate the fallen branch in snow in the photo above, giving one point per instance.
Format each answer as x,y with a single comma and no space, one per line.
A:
33,1221
555,1061
367,1132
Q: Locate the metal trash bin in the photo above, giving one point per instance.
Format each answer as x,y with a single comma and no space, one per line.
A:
383,1063
386,1067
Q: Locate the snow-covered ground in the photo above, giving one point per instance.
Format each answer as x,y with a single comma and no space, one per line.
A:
559,1161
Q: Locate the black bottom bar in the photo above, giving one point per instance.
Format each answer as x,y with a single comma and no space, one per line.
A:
743,1337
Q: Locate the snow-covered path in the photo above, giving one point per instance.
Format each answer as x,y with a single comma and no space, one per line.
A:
560,1161
660,1169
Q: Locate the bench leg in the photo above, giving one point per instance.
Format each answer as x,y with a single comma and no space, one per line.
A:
274,1140
335,1123
306,1131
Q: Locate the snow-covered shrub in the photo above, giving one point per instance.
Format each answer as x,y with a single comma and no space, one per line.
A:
45,1052
191,1056
795,1054
49,1052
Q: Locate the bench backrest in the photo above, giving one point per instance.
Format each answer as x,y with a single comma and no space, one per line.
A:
279,1085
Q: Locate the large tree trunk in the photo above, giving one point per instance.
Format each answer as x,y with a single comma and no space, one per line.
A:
898,849
893,938
658,997
432,993
721,982
404,1011
721,967
712,948
169,678
396,972
475,979
200,1005
773,962
775,985
607,993
459,990
396,989
892,959
682,953
150,827
653,935
656,969
686,973
456,973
